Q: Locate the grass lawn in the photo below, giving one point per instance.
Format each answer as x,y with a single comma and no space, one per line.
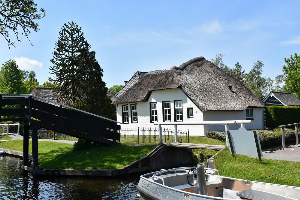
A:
244,167
5,137
54,155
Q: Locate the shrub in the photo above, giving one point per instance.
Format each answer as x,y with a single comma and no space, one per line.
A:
268,138
282,115
217,135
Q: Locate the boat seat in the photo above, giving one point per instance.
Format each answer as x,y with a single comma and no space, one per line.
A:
256,194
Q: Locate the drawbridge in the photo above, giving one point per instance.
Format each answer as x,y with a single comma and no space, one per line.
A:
35,112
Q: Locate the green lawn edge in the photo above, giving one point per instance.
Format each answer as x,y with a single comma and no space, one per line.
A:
53,155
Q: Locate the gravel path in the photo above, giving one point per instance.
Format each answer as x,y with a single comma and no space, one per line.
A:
291,153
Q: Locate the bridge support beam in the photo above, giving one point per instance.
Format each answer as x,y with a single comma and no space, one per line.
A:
25,145
35,145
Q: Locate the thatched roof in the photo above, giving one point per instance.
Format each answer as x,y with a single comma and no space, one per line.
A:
286,99
45,92
209,87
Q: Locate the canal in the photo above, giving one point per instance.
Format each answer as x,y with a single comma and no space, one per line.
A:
14,185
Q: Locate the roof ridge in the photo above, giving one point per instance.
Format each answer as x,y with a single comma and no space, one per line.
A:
184,65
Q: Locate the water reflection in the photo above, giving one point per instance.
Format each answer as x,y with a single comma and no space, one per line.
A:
14,185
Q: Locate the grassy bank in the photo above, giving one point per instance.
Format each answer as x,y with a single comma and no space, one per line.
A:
54,155
244,167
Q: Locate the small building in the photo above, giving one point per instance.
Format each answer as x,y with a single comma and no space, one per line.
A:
193,92
281,99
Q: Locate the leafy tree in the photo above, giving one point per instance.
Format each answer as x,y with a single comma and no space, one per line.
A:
115,88
18,16
257,84
219,62
30,81
11,78
238,71
77,74
291,74
48,84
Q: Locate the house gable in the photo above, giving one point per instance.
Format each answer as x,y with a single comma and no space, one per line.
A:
281,99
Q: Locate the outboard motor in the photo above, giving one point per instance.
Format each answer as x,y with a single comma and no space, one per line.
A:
199,180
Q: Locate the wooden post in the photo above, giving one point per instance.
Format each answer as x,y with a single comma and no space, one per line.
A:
230,143
283,137
296,133
138,135
175,134
25,145
160,134
35,145
257,146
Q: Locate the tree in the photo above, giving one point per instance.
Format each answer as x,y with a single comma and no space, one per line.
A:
115,88
48,84
257,84
77,74
11,78
219,62
291,74
18,15
30,81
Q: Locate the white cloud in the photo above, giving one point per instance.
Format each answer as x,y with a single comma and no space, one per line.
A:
213,27
293,41
28,64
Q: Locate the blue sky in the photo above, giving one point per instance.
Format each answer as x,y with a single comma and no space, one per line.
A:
130,36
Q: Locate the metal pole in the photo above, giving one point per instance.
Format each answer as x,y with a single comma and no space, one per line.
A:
175,134
160,134
18,128
283,137
296,133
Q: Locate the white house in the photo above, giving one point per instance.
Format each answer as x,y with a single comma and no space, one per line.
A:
193,92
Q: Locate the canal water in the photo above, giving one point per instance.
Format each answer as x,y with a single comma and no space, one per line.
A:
14,185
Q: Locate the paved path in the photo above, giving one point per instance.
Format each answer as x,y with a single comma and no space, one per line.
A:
19,137
291,153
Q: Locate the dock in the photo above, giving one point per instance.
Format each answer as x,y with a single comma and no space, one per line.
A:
197,146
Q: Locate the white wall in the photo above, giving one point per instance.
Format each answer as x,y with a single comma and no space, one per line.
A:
257,122
143,109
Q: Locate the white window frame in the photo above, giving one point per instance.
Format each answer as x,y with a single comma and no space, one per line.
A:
134,115
249,113
153,112
167,111
125,114
178,111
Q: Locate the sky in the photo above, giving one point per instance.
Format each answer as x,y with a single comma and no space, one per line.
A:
130,36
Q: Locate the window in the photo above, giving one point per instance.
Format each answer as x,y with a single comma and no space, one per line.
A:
190,113
125,114
167,111
249,113
134,117
153,112
178,111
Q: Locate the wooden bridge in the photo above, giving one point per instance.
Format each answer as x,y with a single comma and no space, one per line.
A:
35,112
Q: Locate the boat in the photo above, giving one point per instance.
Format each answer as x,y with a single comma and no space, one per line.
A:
199,183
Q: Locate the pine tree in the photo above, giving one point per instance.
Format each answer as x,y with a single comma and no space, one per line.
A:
77,74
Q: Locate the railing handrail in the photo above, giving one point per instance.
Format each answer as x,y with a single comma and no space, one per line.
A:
225,122
56,103
294,124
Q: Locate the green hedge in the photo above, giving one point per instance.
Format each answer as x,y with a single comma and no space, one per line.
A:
268,138
281,115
